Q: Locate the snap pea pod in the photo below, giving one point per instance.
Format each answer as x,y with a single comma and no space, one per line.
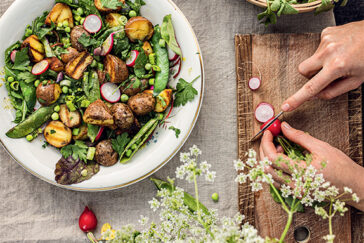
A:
162,61
141,136
47,48
188,200
94,87
85,84
33,122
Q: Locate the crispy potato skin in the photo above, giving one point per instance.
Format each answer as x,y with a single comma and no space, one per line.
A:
106,10
59,13
123,116
147,48
72,53
101,75
112,19
76,33
69,118
55,64
36,48
166,95
139,28
77,66
105,154
116,68
142,103
131,91
57,134
98,113
83,133
48,94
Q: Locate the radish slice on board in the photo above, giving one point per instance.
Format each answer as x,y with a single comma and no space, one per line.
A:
172,55
40,67
12,55
107,45
254,83
130,62
110,92
99,133
264,112
92,24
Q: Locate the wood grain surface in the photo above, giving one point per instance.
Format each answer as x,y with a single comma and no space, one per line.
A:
275,58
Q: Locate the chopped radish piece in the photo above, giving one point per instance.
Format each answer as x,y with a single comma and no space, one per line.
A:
254,83
60,77
152,87
174,63
172,55
179,68
110,92
97,51
98,136
37,105
264,112
130,62
40,67
92,24
107,45
12,55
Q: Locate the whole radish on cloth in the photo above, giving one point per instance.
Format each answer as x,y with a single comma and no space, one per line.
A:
87,221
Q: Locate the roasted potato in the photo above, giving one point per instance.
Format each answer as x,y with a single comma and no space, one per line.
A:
57,134
113,19
105,154
134,88
77,66
72,53
116,68
166,95
55,64
60,12
139,28
102,9
142,103
69,118
76,33
123,116
147,48
36,48
101,74
49,93
98,113
82,135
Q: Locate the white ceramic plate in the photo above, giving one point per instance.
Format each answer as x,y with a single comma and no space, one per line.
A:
164,145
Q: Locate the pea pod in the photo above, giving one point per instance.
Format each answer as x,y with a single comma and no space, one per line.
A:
94,87
188,200
85,84
33,122
162,61
141,136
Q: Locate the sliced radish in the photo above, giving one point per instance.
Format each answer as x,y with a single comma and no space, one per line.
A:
60,77
110,92
107,45
99,133
179,68
172,55
12,55
264,112
40,67
97,51
174,63
152,87
254,83
37,105
130,62
92,24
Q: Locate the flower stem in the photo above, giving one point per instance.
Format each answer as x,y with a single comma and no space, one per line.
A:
91,237
284,206
330,218
288,224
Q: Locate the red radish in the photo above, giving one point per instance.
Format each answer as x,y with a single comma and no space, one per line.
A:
264,112
92,24
254,83
172,55
107,45
99,133
97,51
274,128
151,87
37,105
179,68
87,221
130,62
40,67
60,77
174,63
12,55
110,92
170,110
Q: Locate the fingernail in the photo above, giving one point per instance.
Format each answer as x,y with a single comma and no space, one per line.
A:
285,107
286,125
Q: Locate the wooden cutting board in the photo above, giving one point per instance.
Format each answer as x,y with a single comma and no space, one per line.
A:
275,58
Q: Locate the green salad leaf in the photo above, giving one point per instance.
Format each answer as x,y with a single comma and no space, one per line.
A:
136,5
140,63
27,77
177,131
68,2
92,131
77,151
168,34
87,41
37,26
89,7
185,92
112,4
22,61
120,142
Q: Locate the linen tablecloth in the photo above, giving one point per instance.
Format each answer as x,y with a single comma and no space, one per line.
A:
33,211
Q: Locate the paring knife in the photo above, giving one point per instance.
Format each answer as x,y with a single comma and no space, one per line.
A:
265,127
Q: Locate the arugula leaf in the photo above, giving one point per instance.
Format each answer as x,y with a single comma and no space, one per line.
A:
68,2
37,26
112,4
136,5
89,7
177,131
140,63
185,92
77,151
22,60
167,32
27,77
92,131
119,143
121,47
87,41
8,51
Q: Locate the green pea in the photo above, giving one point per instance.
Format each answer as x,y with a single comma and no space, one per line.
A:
76,131
215,197
148,66
128,153
80,11
29,137
124,98
10,79
68,29
134,147
162,43
82,20
65,89
65,23
160,116
78,18
55,116
44,82
94,64
60,25
100,66
57,108
36,83
132,13
151,81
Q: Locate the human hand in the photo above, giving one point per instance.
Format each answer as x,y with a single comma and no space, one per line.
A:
336,67
340,170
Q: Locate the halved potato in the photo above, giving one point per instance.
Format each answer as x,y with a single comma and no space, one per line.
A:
166,95
57,134
76,33
82,135
116,68
55,64
147,48
102,9
77,66
36,48
139,28
113,19
98,113
60,12
69,118
48,93
72,53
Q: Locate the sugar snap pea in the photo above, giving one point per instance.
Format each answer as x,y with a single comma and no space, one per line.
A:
85,84
94,87
33,122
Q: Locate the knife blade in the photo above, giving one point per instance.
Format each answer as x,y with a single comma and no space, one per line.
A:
266,126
